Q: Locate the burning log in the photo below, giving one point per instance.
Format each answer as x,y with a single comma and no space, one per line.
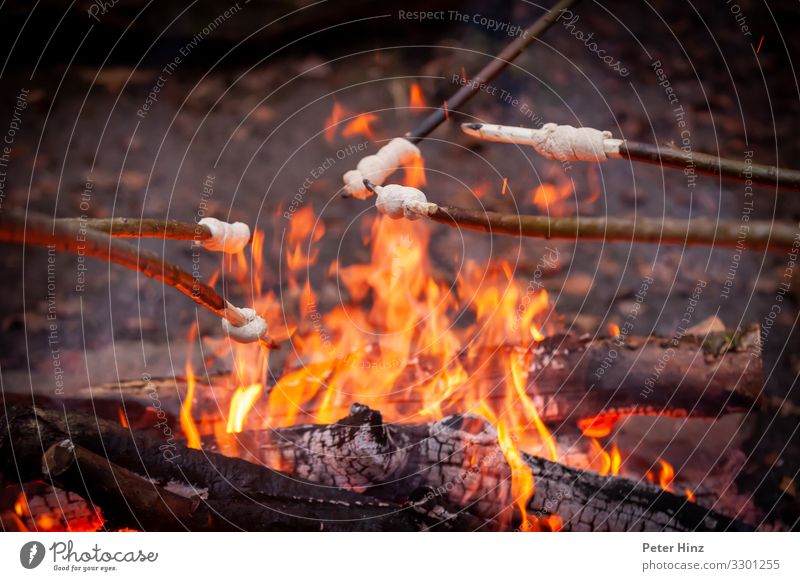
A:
572,379
235,494
584,381
129,500
459,458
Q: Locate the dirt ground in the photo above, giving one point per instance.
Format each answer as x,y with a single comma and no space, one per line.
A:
247,115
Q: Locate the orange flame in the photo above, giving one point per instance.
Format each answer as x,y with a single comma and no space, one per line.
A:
549,198
666,476
521,475
241,404
332,122
361,125
415,173
613,329
187,422
415,98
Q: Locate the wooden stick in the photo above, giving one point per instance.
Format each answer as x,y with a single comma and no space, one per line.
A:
784,179
143,228
490,71
754,235
72,236
670,156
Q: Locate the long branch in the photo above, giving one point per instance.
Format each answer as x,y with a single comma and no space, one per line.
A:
69,236
143,228
760,235
559,142
490,71
784,179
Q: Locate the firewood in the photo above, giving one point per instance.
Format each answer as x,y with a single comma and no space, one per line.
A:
459,458
128,499
236,495
573,380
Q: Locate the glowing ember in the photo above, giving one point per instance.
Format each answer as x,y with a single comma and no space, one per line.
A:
598,426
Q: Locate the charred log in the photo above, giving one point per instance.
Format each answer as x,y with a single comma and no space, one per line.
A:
459,459
236,495
571,380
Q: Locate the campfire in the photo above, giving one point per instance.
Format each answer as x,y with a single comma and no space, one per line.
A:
438,388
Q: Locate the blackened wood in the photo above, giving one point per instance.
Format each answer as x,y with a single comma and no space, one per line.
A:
459,459
127,499
240,495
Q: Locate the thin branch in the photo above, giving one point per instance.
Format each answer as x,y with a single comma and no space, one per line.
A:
555,142
490,71
760,235
143,228
70,236
784,179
